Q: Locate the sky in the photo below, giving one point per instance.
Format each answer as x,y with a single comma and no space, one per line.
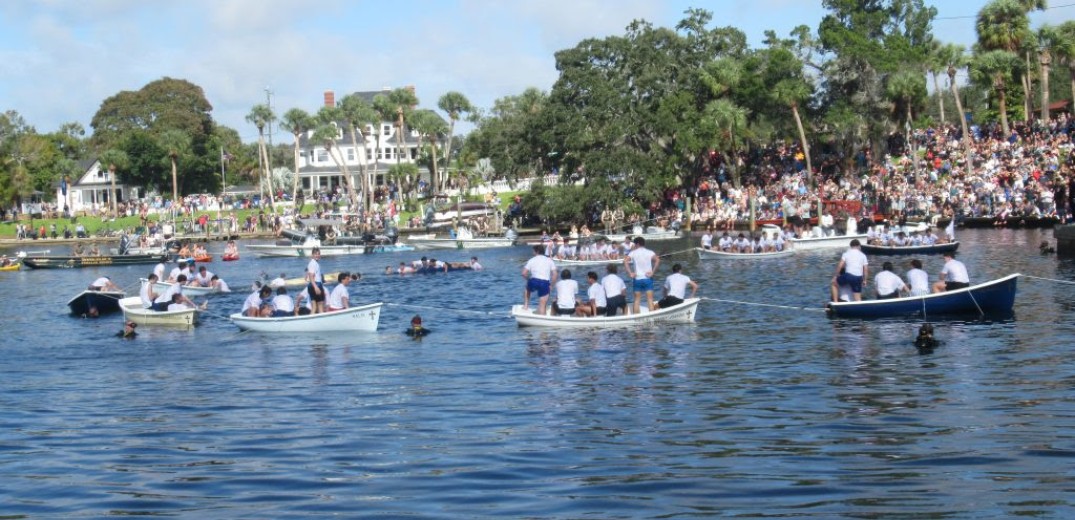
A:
59,59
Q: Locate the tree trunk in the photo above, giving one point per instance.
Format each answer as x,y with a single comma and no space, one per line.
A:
433,155
802,139
175,184
264,151
342,165
959,103
112,194
354,143
295,183
1026,89
1003,100
1046,61
940,97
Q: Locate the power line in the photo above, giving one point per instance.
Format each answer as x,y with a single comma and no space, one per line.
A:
975,16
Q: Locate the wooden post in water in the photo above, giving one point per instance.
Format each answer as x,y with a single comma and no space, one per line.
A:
752,211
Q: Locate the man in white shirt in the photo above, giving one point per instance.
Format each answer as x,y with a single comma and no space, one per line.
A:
675,288
104,283
159,270
340,297
252,304
165,299
315,281
540,274
596,294
888,284
615,291
146,292
640,264
918,279
953,276
853,270
707,240
282,303
567,295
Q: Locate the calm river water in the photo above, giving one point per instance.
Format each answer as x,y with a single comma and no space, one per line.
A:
752,411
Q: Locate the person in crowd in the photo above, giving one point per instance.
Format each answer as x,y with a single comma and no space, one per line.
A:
540,274
675,288
888,284
853,269
953,275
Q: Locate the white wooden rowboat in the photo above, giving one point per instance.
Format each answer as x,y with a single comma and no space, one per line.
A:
602,261
133,311
188,290
707,254
651,233
825,242
682,313
361,318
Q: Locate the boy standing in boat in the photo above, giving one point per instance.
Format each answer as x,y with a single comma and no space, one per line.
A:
855,273
315,282
540,274
640,264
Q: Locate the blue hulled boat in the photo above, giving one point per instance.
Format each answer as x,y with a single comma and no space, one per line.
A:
996,296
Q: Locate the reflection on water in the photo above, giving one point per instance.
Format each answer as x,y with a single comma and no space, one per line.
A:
749,411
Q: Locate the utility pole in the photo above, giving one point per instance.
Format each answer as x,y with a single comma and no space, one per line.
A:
268,151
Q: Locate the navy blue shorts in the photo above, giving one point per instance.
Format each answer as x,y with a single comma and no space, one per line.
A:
849,279
538,287
643,285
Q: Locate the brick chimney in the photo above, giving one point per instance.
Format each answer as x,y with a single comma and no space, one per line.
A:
330,98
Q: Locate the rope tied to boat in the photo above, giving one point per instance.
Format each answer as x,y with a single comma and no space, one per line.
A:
758,304
1069,282
442,309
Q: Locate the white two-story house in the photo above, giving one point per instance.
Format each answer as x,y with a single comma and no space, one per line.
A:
317,170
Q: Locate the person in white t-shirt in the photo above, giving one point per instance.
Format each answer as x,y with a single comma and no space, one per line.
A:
640,264
888,284
953,276
615,291
340,297
596,304
165,299
675,288
567,295
707,240
540,274
853,269
315,281
283,304
918,279
104,283
147,293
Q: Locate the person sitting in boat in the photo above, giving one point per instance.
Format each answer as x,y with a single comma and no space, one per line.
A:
707,240
181,267
146,293
827,224
78,251
180,303
231,250
742,244
200,251
104,283
169,297
596,302
203,278
5,261
283,304
94,250
675,288
128,331
778,243
184,251
888,284
416,329
279,281
340,298
567,295
252,304
953,275
917,279
726,242
220,285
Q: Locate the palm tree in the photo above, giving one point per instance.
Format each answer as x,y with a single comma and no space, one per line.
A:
1004,25
404,101
175,143
791,92
953,56
995,68
298,122
935,66
430,126
261,115
356,113
116,159
1048,38
729,121
327,133
1065,52
455,104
